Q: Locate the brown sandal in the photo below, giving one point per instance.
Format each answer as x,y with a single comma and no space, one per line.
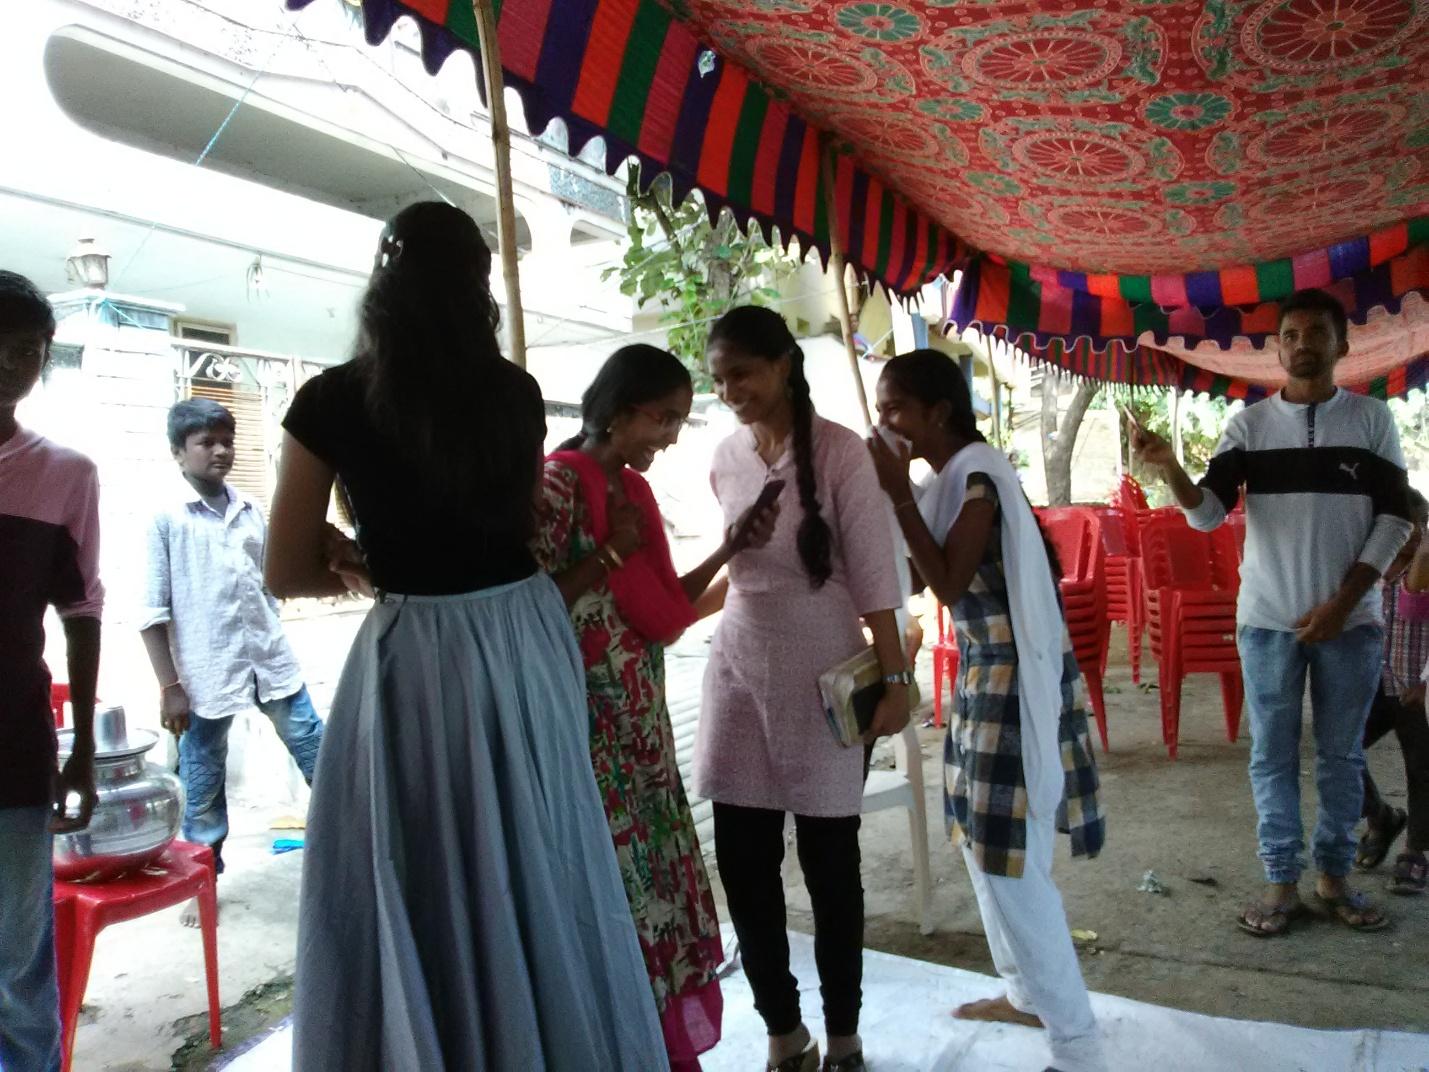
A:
1353,901
1279,918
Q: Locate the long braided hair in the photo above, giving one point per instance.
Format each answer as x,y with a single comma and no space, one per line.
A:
764,334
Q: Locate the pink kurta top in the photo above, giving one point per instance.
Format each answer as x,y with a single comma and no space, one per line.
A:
764,741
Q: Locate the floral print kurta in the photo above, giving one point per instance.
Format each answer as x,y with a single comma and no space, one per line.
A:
633,751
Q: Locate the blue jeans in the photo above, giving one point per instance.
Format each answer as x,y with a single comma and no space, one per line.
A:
1344,673
203,764
29,991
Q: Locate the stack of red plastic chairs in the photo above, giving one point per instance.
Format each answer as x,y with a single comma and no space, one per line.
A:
1076,533
1191,583
1131,505
1123,584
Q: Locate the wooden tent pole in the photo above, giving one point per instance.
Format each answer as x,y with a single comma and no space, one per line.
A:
501,143
838,268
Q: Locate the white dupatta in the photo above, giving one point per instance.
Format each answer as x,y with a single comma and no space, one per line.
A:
1037,626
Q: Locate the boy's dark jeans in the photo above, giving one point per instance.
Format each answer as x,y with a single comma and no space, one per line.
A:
1410,727
203,764
749,849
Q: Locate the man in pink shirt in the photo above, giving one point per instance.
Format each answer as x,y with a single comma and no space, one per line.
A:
49,556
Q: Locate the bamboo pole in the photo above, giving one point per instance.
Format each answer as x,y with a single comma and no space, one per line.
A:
1176,427
506,204
838,268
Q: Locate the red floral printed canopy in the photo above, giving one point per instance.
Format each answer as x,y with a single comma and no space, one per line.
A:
1114,137
1159,154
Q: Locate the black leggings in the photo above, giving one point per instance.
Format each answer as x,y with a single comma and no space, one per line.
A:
1409,725
749,849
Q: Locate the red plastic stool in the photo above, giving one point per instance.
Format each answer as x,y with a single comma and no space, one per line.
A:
59,696
82,910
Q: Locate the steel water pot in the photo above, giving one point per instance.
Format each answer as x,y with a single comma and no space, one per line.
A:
139,808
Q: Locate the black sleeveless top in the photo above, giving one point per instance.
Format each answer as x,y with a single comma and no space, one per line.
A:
417,543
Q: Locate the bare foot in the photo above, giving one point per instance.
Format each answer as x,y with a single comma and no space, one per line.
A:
189,917
996,1011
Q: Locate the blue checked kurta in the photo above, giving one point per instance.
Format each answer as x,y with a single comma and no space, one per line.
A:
984,793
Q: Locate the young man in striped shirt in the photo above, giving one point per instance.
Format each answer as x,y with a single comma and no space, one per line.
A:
1326,513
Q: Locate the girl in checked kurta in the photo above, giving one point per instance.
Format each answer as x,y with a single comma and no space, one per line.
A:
794,610
601,536
461,906
1018,760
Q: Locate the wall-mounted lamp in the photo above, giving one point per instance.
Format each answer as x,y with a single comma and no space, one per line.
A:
88,264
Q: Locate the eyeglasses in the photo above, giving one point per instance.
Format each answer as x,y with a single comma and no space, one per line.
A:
669,421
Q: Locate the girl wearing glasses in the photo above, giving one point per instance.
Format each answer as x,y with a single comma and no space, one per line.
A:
601,537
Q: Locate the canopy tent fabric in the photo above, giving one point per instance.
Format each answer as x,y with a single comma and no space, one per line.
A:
1160,171
1085,325
630,73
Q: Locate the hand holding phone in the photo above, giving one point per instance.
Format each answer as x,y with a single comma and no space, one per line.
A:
1148,447
743,529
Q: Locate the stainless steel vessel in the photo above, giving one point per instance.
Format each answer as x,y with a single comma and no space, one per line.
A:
138,812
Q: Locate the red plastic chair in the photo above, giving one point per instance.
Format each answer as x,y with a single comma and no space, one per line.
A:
945,662
59,696
1131,494
1122,572
1076,534
1191,588
82,910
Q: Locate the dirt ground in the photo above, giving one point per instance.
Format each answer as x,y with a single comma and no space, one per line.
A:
1189,821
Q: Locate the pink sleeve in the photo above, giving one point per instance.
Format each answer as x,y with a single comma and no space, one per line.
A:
865,538
82,521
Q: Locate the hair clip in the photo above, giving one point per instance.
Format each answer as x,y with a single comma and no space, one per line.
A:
390,251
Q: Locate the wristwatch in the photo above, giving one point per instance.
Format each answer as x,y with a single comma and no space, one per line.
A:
903,677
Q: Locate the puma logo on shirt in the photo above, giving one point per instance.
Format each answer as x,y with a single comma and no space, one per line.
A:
1353,470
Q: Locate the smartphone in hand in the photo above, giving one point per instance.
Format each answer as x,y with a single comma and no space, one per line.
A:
768,496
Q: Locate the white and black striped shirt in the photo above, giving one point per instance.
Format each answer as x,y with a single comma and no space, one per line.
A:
1325,488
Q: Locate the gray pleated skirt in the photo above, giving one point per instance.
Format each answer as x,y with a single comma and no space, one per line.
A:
461,905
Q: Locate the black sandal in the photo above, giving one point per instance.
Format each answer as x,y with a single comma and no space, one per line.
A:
852,1063
1376,842
1411,874
806,1060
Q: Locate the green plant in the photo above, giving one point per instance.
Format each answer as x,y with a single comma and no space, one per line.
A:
696,268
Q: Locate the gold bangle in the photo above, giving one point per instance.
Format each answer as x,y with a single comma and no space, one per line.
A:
619,562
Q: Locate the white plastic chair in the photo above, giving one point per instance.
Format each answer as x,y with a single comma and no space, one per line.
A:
903,788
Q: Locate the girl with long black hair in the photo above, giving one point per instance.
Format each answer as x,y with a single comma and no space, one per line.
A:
794,609
601,536
461,905
1017,759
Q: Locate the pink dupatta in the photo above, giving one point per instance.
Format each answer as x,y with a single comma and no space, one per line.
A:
646,589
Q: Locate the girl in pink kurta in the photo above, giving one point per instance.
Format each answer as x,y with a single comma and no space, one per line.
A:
794,609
